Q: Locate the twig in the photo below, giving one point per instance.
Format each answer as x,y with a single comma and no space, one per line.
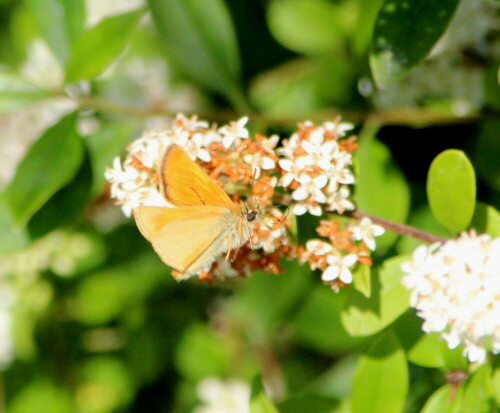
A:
398,228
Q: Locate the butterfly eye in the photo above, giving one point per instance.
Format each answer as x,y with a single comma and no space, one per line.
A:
251,216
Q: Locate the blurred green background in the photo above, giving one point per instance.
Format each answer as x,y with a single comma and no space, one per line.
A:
90,319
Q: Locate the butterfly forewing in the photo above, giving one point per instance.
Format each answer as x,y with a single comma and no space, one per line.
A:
180,246
151,219
185,184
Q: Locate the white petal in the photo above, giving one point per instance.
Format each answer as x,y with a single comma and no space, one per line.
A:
285,164
204,155
286,179
350,260
267,163
299,209
315,210
320,181
300,194
346,276
330,273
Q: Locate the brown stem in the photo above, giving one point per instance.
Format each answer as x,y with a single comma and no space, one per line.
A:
398,228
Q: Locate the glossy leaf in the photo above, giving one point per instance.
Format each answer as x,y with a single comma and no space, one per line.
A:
42,395
444,400
451,189
430,351
361,280
202,353
404,34
302,86
11,237
495,380
203,29
17,93
478,393
308,403
381,380
60,23
50,164
72,199
317,324
305,26
265,300
88,56
106,375
486,219
487,148
364,316
380,180
259,401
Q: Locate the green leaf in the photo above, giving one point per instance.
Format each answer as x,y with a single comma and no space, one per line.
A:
404,34
265,299
202,353
361,280
308,403
203,29
302,86
17,93
123,286
41,396
60,23
446,399
478,393
106,376
317,323
100,45
487,148
495,380
11,238
451,189
486,219
381,189
381,379
429,351
305,26
50,164
364,316
259,401
72,199
104,146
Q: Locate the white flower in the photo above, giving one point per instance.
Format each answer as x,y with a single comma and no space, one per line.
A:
319,153
365,230
456,290
339,173
231,396
338,267
339,200
310,187
232,133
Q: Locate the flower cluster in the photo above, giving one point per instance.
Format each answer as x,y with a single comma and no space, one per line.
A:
316,168
312,165
455,288
348,245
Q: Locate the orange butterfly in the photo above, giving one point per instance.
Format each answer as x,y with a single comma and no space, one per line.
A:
203,222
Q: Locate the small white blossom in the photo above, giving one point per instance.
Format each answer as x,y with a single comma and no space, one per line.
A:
310,187
365,230
338,267
235,131
339,200
456,290
231,396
